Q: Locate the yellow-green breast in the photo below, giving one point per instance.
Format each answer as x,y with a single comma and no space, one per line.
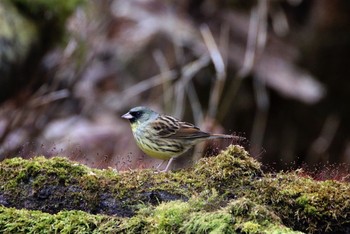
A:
155,146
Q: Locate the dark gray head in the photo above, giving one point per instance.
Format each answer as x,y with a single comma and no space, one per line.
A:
140,114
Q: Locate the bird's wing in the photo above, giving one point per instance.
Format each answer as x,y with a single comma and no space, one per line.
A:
189,131
169,127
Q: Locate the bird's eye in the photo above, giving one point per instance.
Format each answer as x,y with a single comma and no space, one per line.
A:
136,114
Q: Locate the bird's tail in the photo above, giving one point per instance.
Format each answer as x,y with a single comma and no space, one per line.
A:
223,136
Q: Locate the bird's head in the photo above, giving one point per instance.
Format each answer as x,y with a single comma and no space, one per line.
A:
140,114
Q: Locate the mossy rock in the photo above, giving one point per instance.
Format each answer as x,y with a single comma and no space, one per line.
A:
227,193
306,204
168,217
25,221
54,184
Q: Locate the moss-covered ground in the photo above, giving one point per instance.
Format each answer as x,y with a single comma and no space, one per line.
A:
228,193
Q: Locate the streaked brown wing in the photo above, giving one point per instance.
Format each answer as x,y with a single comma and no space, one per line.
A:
189,131
169,127
165,126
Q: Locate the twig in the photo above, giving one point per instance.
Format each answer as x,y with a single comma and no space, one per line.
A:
256,41
224,42
147,84
188,72
261,96
326,137
164,69
195,104
220,68
48,98
260,118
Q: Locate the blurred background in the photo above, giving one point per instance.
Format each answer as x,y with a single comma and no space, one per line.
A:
275,72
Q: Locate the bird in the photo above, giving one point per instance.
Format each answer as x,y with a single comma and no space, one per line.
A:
165,137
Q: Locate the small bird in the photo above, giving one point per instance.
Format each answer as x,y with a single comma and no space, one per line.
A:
165,137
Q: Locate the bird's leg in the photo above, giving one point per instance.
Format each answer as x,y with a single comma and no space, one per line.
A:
160,164
168,165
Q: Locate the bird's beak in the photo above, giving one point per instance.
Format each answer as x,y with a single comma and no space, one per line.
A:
127,116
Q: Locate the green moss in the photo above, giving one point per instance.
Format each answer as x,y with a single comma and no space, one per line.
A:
251,217
48,181
303,203
24,221
238,216
226,173
279,229
214,223
227,193
169,217
37,170
250,227
136,224
234,161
